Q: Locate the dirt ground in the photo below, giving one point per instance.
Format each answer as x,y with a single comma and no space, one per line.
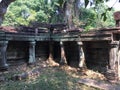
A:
32,72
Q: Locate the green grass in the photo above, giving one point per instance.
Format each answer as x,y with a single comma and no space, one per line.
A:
51,78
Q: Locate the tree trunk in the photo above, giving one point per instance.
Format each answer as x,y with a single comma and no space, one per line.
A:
71,10
76,8
3,8
69,13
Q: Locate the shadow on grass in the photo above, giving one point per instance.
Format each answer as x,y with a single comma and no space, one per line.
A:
49,79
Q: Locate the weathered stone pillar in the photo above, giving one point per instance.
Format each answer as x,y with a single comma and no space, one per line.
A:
63,57
113,54
113,58
32,52
3,56
119,61
81,54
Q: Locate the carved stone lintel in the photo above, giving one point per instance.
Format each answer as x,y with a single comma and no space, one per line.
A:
31,52
3,57
63,57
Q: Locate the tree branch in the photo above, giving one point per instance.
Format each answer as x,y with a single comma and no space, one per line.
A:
3,8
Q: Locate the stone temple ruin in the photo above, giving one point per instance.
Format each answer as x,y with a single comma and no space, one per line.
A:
98,49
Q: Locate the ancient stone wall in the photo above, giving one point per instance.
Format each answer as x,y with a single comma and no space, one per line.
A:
19,51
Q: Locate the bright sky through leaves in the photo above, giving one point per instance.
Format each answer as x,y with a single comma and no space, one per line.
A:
114,3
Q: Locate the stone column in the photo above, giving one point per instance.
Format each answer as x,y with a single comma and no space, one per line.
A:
113,54
3,56
113,58
32,52
63,57
118,61
81,54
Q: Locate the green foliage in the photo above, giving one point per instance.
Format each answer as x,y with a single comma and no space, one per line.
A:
41,16
88,17
96,17
104,16
24,12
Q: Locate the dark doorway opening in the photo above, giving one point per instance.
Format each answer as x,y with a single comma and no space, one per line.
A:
17,52
97,55
72,53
